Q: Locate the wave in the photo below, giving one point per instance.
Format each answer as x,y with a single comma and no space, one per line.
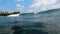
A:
43,12
50,11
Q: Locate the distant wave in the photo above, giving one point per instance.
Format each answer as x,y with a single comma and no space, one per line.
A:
51,10
44,12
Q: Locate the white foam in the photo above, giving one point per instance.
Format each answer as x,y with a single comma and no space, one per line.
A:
13,15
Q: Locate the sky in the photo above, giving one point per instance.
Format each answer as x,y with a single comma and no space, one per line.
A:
28,6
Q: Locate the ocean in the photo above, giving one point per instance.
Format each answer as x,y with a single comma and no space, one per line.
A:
46,22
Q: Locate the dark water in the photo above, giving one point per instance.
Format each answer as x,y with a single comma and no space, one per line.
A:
40,23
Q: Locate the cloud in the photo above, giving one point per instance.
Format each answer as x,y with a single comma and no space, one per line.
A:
29,11
44,5
19,7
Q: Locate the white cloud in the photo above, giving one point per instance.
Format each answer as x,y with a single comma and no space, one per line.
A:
43,4
30,11
19,7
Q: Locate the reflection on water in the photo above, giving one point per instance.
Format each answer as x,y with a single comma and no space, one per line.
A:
31,24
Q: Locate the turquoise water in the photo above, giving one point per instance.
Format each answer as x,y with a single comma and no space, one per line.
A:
41,23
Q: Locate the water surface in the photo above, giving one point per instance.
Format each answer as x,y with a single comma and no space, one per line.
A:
40,23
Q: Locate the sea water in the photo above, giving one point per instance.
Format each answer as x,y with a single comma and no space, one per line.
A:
29,23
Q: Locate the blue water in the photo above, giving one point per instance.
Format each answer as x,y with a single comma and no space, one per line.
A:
46,21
